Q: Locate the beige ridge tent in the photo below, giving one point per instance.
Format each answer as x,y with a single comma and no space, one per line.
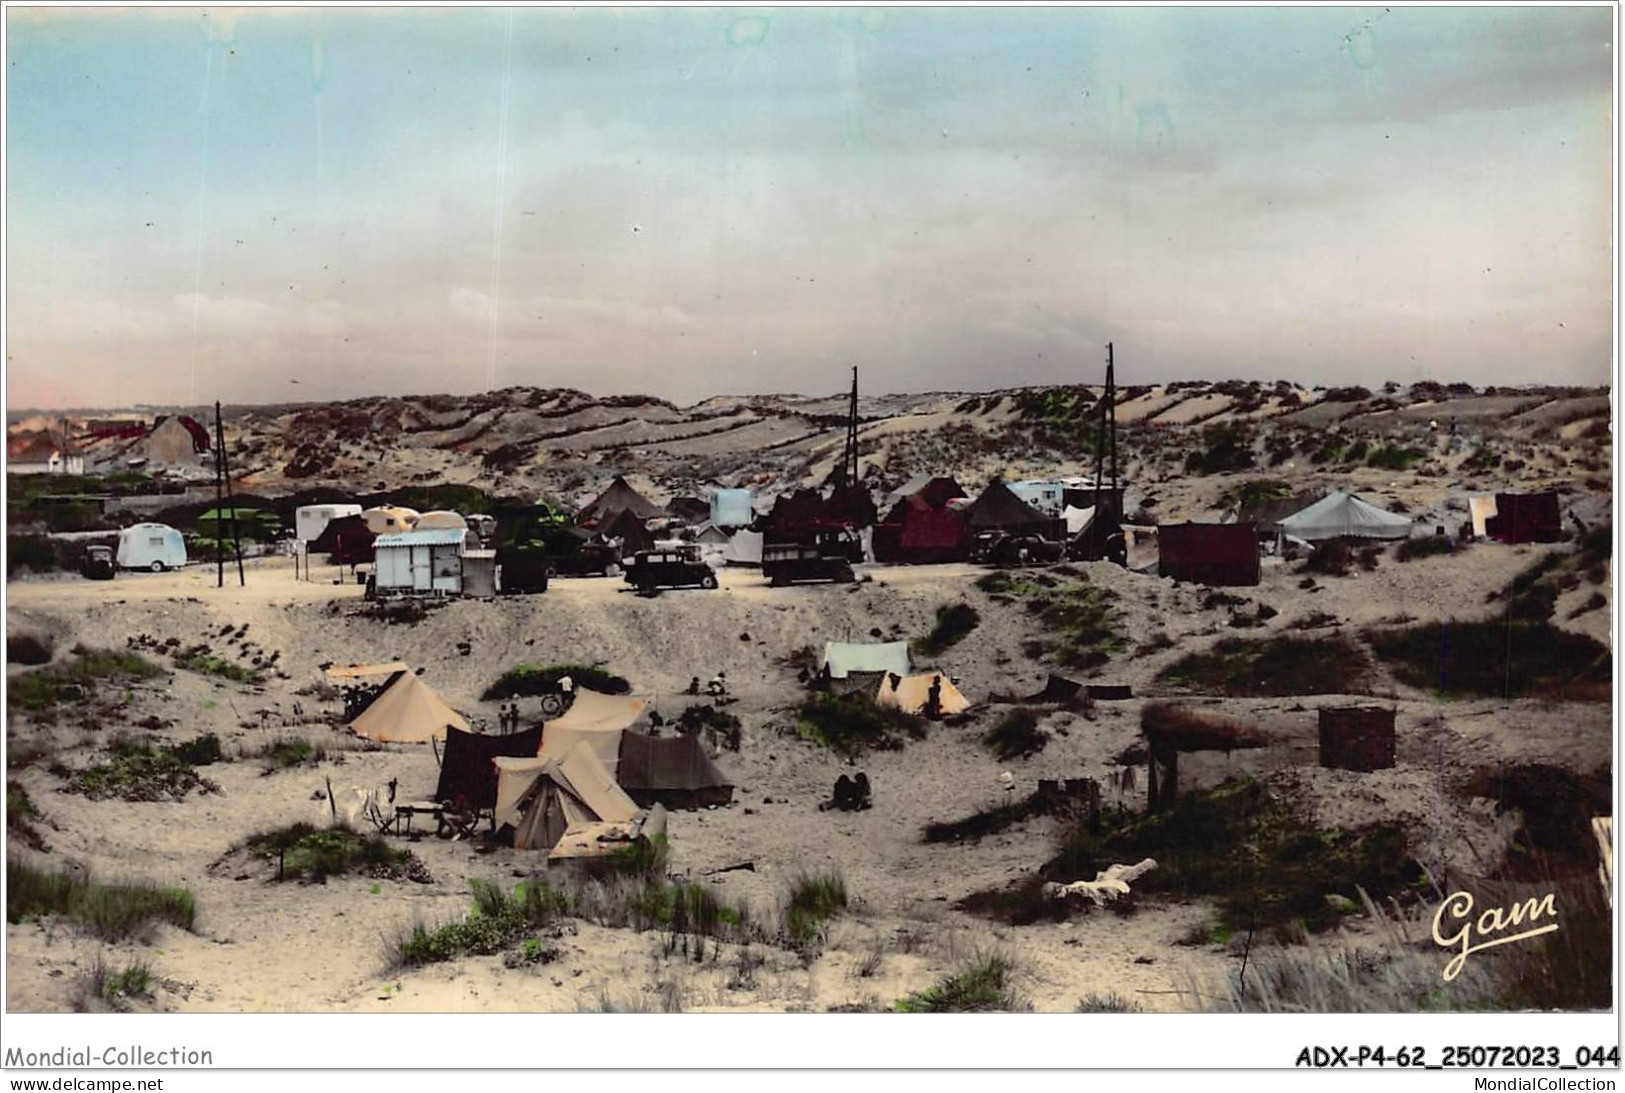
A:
910,693
571,807
596,720
408,711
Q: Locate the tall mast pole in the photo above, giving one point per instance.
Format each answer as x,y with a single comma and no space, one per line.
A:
1111,409
219,504
849,461
225,474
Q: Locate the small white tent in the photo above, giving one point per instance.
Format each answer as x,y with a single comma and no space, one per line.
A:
1345,515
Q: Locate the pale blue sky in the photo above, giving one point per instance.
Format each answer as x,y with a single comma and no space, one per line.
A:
211,203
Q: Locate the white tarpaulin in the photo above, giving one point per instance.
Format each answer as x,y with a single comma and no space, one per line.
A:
1339,515
731,508
1077,519
843,658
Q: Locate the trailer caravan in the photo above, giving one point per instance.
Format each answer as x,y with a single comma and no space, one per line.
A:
151,546
311,520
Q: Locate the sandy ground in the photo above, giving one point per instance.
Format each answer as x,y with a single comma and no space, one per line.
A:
261,946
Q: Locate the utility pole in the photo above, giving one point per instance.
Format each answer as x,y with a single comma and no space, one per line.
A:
223,477
219,504
849,459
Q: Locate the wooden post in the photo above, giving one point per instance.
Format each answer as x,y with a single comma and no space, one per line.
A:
219,499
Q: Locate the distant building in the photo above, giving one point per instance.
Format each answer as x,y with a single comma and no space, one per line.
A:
42,454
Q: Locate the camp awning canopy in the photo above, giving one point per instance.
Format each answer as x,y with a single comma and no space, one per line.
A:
407,711
1345,515
596,720
844,658
911,693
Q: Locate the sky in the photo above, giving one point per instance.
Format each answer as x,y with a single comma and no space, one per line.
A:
281,205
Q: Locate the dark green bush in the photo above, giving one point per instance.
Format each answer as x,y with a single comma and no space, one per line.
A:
954,622
1246,668
1016,735
978,987
852,723
111,911
72,681
528,680
1508,659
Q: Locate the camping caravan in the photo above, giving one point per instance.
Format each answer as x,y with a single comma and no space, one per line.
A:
151,546
309,521
1342,515
1211,554
405,710
389,519
672,771
440,520
419,563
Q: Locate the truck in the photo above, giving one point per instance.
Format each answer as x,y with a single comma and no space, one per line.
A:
787,563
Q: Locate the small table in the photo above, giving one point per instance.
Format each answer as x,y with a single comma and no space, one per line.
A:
404,813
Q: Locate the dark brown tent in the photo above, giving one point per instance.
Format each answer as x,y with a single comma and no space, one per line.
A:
694,510
804,514
346,541
1525,518
1056,689
618,497
670,770
999,509
467,770
1266,516
629,529
1213,554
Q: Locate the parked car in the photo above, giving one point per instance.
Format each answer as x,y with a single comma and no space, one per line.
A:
522,571
786,563
671,568
1003,548
98,564
591,560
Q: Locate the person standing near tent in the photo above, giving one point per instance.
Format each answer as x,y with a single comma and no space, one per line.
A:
933,699
566,685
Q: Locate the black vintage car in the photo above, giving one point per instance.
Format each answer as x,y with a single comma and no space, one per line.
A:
673,568
1002,548
786,563
98,564
521,571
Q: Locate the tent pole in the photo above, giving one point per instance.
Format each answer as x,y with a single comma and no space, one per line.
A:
219,510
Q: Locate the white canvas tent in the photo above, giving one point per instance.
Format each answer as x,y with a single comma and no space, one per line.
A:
745,548
569,806
596,720
407,712
911,693
844,658
1482,508
1345,515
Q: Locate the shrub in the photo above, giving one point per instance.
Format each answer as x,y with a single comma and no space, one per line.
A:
815,898
289,751
1225,448
1392,457
110,911
851,723
1016,736
29,648
495,921
204,663
954,622
71,682
980,986
137,771
1332,558
528,680
988,821
199,751
21,813
135,981
1111,1002
1244,848
305,851
1501,658
720,727
1426,546
1268,667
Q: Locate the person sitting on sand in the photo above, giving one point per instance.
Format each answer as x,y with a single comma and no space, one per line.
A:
842,797
860,793
693,685
718,687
